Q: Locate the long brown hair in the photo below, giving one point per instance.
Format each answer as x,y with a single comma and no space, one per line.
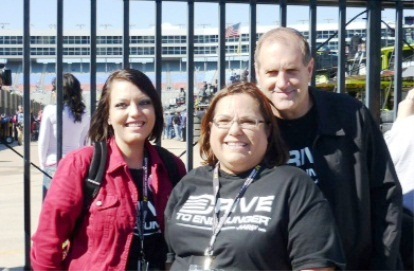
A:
100,130
276,153
72,96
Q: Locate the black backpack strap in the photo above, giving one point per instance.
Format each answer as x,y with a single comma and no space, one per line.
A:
96,172
93,182
169,161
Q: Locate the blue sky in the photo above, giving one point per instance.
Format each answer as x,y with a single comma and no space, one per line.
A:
76,14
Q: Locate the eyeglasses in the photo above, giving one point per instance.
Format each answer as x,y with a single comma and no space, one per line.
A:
226,123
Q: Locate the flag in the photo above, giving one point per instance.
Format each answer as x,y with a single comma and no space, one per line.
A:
233,31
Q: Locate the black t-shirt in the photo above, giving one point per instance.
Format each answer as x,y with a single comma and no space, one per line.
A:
155,248
281,223
299,135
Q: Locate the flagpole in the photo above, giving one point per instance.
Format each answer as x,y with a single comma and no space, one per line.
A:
239,52
233,31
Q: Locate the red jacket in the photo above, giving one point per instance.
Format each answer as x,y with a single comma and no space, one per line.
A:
104,239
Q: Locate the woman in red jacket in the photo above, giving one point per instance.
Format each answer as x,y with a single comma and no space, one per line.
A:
123,229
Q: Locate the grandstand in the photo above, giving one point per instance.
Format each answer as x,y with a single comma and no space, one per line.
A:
142,41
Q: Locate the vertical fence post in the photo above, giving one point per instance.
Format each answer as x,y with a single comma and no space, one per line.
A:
222,45
190,70
282,12
373,85
312,34
158,49
252,45
26,91
59,78
341,47
398,56
93,56
126,35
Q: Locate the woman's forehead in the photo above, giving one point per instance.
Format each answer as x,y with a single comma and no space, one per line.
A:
125,88
240,104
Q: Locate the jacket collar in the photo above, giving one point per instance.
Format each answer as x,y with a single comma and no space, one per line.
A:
328,119
115,158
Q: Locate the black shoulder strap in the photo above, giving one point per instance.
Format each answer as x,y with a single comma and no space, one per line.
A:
96,172
94,181
169,161
98,166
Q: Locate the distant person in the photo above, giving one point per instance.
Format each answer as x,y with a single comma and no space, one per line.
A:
183,126
39,115
202,94
123,228
245,76
165,131
215,86
245,209
169,125
34,127
181,96
19,125
235,78
205,86
400,141
177,125
334,138
355,42
75,125
5,133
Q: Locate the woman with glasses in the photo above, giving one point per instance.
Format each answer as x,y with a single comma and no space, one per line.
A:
245,209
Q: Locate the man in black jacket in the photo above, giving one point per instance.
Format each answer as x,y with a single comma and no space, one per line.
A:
334,138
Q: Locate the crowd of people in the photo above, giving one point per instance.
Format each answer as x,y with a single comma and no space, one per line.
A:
11,126
293,178
7,124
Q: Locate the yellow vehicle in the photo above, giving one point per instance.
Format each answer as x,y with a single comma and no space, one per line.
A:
387,57
356,74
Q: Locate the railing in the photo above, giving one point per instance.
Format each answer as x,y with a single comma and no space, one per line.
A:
373,63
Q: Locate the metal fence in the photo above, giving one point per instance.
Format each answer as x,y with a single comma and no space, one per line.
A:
373,62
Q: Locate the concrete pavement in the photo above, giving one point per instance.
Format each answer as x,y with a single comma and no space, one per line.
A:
12,235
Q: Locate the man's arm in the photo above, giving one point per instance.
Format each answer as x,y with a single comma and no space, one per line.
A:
406,106
386,197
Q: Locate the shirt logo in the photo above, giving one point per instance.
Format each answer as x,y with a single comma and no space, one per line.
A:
303,159
251,215
151,225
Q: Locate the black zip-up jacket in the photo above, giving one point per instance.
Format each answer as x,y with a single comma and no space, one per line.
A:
357,176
